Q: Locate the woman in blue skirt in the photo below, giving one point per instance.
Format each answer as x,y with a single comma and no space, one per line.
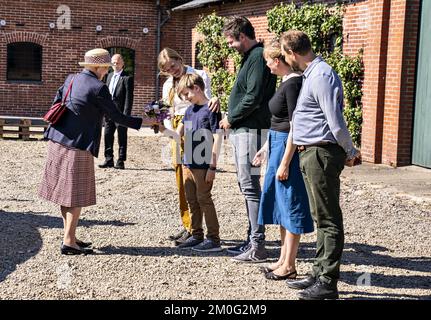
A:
284,199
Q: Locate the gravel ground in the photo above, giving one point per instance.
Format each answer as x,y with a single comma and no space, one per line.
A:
387,249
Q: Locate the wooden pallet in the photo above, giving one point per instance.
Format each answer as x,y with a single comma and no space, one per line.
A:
22,126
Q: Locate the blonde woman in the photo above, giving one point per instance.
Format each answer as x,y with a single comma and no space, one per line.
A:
171,64
284,199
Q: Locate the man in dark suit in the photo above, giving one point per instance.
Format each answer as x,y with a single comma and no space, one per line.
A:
121,88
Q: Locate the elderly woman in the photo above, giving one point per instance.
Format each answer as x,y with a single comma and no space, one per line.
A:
171,65
68,178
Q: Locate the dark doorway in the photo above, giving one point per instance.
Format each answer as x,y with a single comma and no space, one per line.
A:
128,56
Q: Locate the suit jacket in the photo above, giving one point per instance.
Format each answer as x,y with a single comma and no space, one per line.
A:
123,93
89,100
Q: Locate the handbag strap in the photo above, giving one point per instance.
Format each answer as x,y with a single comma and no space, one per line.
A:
68,90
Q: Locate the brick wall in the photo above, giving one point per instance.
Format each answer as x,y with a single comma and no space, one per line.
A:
63,49
386,30
374,79
389,83
356,15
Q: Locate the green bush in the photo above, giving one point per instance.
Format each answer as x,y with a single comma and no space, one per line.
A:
214,53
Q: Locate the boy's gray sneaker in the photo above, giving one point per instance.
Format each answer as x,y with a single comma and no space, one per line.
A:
186,235
208,246
190,242
243,247
252,255
178,235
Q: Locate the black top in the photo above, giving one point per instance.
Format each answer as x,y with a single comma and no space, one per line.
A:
283,103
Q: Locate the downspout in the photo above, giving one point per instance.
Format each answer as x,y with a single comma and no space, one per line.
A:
160,24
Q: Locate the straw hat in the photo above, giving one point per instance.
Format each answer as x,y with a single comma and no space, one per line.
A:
97,58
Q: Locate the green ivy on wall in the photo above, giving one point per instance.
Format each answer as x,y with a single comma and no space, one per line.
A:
324,26
214,52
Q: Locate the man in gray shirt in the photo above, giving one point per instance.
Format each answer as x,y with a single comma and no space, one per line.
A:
325,146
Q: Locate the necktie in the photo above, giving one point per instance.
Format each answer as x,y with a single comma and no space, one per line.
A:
113,84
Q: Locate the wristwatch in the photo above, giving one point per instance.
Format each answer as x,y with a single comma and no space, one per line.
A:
212,168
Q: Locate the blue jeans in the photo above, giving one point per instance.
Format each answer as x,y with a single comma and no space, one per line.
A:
245,145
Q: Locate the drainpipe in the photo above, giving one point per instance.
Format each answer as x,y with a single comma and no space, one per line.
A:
160,24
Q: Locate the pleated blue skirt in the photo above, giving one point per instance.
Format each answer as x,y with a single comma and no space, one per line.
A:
285,202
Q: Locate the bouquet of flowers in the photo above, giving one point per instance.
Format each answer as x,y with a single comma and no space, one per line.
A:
156,112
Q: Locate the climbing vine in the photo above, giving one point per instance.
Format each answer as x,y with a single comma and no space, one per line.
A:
214,53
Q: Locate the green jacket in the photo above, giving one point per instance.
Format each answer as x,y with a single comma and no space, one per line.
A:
253,88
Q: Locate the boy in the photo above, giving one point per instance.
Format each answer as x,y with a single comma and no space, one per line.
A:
202,146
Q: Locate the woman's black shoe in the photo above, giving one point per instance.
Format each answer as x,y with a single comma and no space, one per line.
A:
83,244
272,276
265,269
73,251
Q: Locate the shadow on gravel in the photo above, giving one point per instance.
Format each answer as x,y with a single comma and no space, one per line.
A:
20,237
153,251
387,281
174,251
367,256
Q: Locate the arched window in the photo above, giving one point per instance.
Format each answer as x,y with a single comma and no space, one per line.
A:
24,61
128,56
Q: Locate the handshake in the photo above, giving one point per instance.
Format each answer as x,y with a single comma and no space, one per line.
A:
155,113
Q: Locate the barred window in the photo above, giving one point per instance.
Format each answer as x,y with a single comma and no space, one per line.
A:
24,61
